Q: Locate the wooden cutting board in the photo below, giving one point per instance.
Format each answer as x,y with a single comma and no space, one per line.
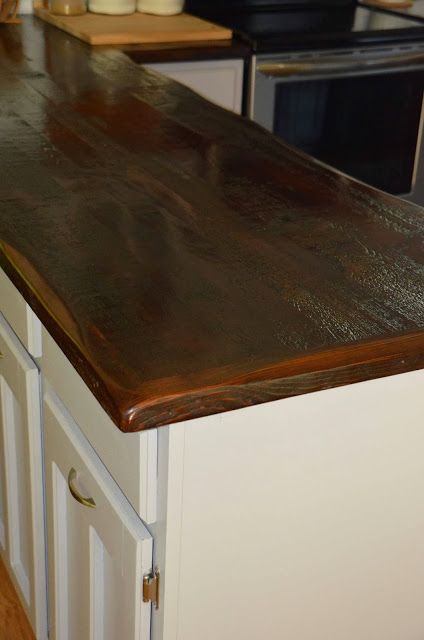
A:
137,28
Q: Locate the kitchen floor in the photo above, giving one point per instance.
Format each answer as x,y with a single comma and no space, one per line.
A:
13,622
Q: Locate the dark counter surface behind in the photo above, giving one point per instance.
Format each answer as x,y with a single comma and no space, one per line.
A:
186,261
188,52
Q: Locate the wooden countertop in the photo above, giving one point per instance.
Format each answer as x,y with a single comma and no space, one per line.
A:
189,52
187,262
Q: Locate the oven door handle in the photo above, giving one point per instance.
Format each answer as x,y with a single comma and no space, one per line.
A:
334,65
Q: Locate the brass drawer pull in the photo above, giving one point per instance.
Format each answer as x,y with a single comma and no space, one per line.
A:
87,502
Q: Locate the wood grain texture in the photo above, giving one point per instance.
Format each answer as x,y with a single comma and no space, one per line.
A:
185,260
13,622
136,28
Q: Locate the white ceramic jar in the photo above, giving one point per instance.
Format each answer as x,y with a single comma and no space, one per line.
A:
161,7
112,7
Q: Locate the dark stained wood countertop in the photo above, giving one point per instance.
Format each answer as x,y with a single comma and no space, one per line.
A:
185,261
188,52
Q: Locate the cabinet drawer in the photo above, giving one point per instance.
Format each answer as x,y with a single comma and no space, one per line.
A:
20,316
131,458
98,549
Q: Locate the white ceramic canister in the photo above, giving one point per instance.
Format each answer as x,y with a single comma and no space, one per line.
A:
112,7
161,7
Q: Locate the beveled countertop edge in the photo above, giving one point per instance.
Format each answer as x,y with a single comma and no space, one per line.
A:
301,375
315,371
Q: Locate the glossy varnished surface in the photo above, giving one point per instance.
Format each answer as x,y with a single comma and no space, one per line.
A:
188,51
185,261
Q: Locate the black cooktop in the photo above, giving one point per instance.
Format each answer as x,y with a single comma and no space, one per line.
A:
273,28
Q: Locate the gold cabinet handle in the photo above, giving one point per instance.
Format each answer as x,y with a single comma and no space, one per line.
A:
87,502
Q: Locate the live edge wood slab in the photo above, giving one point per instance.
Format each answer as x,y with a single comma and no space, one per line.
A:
185,261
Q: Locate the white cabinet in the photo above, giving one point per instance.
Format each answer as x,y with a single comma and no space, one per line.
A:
98,548
220,81
300,519
20,316
22,545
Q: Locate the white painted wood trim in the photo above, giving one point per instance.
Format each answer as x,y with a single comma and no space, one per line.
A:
20,316
19,372
167,531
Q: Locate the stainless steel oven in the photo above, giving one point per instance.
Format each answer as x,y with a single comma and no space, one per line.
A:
359,110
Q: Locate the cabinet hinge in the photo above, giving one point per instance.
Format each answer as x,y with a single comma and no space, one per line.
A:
151,585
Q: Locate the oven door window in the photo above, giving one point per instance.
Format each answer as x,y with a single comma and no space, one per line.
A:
366,126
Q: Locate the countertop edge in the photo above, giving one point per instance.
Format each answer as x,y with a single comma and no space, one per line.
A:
320,371
315,371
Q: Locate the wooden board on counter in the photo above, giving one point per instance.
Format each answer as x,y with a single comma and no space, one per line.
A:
137,28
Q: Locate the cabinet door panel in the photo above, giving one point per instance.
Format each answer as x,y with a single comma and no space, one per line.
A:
97,556
17,487
21,484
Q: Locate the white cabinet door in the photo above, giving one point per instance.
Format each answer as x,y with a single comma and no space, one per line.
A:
220,81
97,553
22,543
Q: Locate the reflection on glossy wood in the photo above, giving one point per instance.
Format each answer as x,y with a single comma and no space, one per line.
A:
13,623
185,260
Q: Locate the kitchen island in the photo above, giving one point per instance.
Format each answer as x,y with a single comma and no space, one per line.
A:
171,269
